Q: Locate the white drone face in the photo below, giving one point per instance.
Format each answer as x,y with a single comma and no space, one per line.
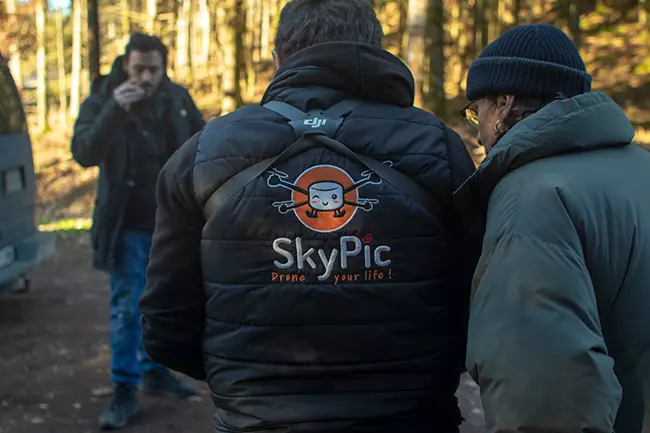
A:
326,196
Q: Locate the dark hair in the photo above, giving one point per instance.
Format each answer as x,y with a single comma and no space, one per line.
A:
145,43
523,107
304,23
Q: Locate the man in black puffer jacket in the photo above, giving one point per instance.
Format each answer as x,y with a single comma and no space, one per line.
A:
317,296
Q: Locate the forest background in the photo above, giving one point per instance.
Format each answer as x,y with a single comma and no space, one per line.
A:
221,51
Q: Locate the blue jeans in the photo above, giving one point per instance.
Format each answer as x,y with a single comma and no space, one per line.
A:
129,360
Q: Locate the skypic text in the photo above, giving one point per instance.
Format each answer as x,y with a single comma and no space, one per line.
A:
324,261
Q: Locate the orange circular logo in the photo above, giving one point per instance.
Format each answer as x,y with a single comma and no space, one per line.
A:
330,196
324,198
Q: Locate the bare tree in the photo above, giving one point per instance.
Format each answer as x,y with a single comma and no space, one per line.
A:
41,67
403,27
494,24
206,36
60,56
417,14
14,53
75,79
517,11
265,31
152,12
250,37
435,98
93,38
182,38
125,15
231,42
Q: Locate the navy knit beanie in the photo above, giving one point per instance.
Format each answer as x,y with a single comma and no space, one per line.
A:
534,60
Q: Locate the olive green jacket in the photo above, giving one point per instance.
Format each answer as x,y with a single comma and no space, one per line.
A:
560,309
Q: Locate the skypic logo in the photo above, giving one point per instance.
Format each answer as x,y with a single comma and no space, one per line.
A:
325,261
325,198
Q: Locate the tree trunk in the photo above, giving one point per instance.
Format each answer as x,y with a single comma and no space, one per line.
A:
222,39
196,39
464,45
494,25
152,12
265,31
643,13
485,29
231,75
93,39
259,18
403,27
477,28
240,55
75,79
517,12
85,68
182,39
502,14
249,28
126,21
575,13
435,98
205,35
60,56
112,42
41,67
417,14
14,53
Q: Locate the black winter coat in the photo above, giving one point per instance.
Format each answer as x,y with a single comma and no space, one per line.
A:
330,317
104,136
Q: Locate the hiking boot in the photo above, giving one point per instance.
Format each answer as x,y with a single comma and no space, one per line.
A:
160,381
123,406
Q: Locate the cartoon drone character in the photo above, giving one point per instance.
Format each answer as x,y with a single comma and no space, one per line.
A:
324,196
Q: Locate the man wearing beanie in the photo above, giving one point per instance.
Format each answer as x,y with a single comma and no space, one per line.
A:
559,309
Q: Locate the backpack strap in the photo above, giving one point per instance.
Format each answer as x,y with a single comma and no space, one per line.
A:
312,136
325,122
342,108
285,110
239,181
384,170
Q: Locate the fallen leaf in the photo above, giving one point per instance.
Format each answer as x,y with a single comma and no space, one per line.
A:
102,391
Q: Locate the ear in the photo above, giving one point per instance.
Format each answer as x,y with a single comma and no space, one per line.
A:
505,104
276,59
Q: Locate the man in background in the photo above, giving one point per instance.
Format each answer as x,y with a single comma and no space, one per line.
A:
132,122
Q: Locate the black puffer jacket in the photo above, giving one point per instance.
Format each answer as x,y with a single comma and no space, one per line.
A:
331,318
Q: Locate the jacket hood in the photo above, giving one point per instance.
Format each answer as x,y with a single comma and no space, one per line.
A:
351,69
106,83
585,122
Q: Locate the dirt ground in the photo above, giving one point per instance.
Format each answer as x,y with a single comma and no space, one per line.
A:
55,359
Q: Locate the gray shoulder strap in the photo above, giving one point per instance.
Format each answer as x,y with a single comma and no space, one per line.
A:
285,110
325,122
341,109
